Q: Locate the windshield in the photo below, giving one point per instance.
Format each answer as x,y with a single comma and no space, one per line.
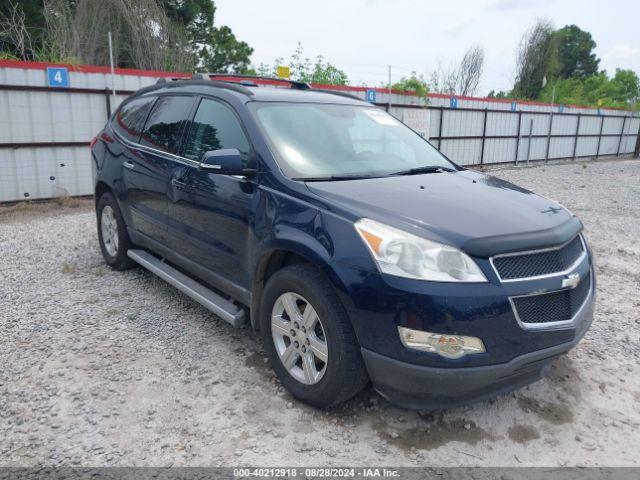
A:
314,141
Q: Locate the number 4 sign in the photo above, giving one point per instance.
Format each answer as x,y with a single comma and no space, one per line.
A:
57,77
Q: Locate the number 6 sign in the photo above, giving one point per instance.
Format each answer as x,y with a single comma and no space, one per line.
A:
57,77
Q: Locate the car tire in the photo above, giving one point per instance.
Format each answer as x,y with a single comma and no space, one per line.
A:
112,233
319,381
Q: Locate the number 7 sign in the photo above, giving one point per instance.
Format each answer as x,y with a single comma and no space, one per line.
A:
57,77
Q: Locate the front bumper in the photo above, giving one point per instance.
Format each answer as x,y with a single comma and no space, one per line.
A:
422,387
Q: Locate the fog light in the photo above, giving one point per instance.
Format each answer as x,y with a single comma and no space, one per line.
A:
448,346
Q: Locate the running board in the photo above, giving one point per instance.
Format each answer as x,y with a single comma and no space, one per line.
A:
223,308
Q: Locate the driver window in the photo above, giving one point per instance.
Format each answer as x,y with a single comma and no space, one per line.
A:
215,127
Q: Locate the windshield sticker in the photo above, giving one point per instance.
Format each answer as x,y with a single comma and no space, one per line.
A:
381,117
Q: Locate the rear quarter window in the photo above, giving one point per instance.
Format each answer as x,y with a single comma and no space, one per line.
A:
166,122
130,117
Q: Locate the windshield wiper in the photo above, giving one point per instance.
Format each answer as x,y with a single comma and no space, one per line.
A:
334,178
425,169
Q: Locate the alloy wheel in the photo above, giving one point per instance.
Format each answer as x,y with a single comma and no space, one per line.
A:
109,229
299,338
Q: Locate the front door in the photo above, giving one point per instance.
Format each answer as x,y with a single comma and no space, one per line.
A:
148,168
209,212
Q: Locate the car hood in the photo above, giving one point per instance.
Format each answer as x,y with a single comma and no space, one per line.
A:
479,213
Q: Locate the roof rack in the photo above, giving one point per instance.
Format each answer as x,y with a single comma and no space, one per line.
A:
202,78
293,83
223,80
248,81
170,79
337,92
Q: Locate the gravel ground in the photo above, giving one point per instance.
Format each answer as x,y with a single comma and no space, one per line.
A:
110,368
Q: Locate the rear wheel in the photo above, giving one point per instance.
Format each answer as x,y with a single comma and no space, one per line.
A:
112,233
309,339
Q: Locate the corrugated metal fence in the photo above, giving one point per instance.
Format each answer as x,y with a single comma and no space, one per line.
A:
45,131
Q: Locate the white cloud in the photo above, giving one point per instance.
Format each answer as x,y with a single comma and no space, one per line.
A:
622,52
363,37
507,5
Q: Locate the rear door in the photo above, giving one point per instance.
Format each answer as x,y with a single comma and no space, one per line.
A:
147,172
210,212
127,123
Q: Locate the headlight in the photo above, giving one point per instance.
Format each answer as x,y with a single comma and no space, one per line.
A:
405,255
448,346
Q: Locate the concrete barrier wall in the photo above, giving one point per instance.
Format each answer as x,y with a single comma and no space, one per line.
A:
45,131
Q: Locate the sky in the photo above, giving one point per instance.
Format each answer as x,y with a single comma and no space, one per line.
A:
363,37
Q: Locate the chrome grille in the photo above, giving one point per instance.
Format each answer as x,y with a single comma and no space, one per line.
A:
539,263
558,306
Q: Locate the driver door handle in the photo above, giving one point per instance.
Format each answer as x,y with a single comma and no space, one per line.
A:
180,185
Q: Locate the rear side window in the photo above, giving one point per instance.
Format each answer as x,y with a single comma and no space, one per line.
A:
214,127
130,117
165,123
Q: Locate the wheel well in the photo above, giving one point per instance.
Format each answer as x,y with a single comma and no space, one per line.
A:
277,260
101,189
280,259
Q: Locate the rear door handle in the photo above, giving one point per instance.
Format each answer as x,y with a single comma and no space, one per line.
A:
128,164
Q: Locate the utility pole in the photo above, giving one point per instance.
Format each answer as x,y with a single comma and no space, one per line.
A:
113,80
389,92
553,99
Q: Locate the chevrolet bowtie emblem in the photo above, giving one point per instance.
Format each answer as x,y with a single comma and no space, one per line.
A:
571,281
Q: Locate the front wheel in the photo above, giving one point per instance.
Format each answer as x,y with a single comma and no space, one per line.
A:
309,339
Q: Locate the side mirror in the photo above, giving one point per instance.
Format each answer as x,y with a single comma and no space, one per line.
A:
226,161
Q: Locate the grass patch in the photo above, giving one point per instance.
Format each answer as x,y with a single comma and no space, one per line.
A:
68,267
99,271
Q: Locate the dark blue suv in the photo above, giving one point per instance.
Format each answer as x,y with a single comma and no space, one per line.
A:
357,249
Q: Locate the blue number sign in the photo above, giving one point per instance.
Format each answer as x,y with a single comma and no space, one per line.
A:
371,96
514,106
57,77
453,102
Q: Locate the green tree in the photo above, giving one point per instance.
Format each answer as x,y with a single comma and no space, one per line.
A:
31,16
537,59
625,86
499,94
413,83
217,48
575,53
195,15
225,53
304,69
567,91
622,90
189,32
326,73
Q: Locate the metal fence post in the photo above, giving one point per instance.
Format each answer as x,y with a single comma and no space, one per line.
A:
636,152
107,99
440,129
624,122
600,136
529,142
484,135
515,160
575,140
546,155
